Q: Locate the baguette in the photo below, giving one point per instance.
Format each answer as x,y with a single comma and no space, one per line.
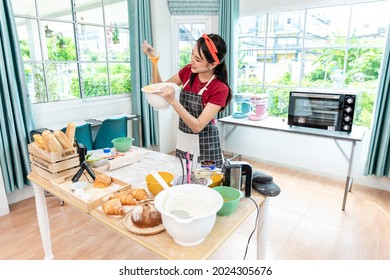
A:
52,144
64,141
39,141
71,131
45,133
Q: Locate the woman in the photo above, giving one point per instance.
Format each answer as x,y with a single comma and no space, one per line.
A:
205,92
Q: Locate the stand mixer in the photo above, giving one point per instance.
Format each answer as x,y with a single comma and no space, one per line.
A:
259,107
242,106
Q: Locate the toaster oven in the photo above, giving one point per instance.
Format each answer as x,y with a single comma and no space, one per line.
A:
322,109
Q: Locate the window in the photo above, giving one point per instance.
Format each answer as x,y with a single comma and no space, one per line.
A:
329,47
74,49
187,31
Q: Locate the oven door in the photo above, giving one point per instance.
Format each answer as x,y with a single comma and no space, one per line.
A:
314,110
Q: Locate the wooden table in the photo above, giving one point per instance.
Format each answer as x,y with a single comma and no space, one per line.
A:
161,244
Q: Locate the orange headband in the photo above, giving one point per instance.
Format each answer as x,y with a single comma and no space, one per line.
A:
211,47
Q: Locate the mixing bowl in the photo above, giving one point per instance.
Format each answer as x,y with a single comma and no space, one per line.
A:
231,198
122,144
154,99
188,212
153,186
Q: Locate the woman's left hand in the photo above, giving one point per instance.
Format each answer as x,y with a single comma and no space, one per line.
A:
168,93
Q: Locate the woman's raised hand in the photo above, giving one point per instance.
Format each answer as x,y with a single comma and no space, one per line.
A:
146,48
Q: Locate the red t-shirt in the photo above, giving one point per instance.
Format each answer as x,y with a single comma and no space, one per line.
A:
216,93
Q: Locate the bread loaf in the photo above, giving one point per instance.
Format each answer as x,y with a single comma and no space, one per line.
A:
145,215
113,207
102,181
52,144
70,131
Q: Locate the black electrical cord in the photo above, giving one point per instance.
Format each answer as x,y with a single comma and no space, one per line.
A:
257,218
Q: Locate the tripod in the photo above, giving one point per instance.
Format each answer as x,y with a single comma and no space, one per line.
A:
82,151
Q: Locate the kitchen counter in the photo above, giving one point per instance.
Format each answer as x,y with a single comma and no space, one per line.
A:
161,244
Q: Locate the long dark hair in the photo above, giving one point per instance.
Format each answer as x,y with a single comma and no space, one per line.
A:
220,71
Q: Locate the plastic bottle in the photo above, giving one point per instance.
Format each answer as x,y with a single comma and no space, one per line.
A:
106,152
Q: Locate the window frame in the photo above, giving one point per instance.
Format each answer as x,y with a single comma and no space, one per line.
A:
179,20
44,60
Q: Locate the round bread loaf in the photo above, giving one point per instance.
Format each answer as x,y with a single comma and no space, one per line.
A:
145,215
102,181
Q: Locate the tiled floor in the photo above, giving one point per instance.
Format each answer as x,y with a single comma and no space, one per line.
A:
305,223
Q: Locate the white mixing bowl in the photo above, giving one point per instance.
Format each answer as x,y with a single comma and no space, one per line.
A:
200,205
154,99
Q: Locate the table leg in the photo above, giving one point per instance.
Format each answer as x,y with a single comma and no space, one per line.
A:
262,229
349,180
43,220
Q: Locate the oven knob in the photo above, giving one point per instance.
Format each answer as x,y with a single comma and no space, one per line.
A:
347,118
346,127
349,100
348,109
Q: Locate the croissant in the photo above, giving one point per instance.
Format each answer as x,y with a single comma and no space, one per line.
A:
125,197
113,207
139,194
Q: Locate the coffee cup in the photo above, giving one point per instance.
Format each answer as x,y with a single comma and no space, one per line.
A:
208,164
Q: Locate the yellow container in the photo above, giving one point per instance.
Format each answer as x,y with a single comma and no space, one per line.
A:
153,186
217,180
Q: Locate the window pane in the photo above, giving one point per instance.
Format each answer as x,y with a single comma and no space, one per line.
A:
58,9
285,30
283,67
95,79
251,67
91,43
89,12
116,12
327,26
118,44
59,42
120,78
369,23
278,101
188,34
324,68
252,32
35,82
29,38
61,81
24,7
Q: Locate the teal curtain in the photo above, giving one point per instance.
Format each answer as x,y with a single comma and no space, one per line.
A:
191,7
228,21
140,30
378,156
16,118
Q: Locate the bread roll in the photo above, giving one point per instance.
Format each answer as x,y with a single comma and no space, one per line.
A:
139,194
52,144
145,215
70,131
113,207
125,197
102,181
64,141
